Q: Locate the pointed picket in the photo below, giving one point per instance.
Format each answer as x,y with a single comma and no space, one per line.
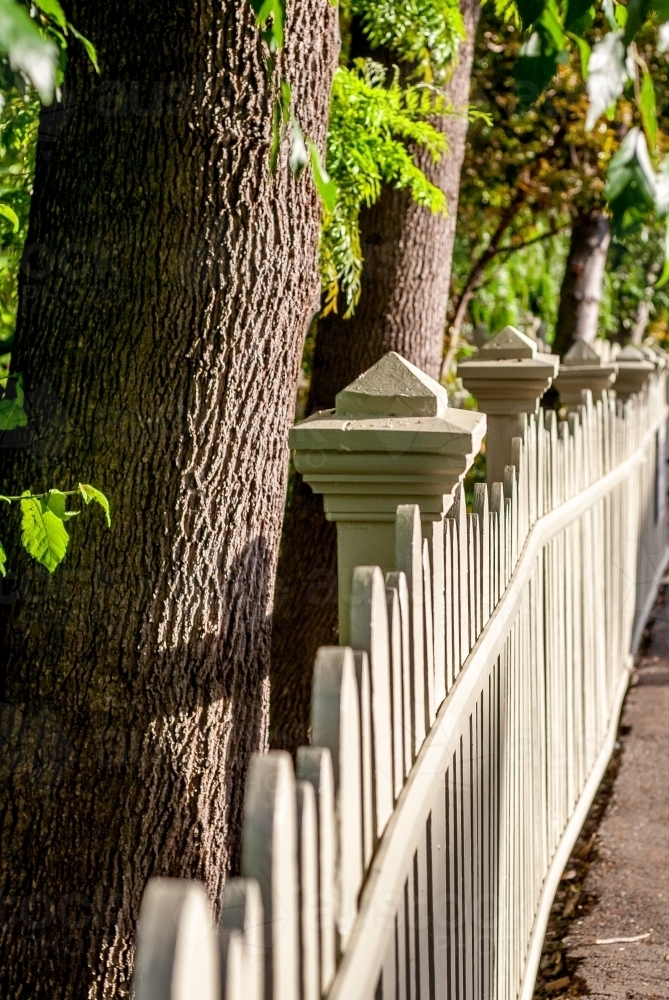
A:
398,581
409,560
395,634
428,633
458,516
438,612
362,673
335,724
369,632
481,508
314,764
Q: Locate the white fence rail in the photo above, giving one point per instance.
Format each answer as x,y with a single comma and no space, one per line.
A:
457,742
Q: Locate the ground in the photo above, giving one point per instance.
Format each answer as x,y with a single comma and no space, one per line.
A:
617,881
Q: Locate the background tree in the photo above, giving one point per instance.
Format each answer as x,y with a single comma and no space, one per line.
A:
166,288
530,182
402,306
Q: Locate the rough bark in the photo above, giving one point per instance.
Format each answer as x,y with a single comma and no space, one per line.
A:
167,286
404,296
581,291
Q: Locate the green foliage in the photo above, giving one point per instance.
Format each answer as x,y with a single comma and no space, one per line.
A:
43,519
425,33
371,122
91,495
523,290
12,414
18,140
43,533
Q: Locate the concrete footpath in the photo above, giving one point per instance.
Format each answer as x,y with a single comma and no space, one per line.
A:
616,884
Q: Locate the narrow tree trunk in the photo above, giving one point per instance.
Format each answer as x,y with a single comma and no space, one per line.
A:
581,292
405,281
641,321
167,286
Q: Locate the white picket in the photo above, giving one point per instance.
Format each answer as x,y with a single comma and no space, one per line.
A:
335,724
307,863
409,560
395,637
369,632
314,764
242,918
269,854
177,951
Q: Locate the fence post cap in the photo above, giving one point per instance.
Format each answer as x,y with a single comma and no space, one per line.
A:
509,375
392,439
583,368
509,345
393,387
581,354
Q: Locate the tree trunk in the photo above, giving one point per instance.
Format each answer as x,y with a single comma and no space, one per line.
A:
581,292
167,286
402,307
641,322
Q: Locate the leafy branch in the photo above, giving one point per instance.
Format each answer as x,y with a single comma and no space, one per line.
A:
43,532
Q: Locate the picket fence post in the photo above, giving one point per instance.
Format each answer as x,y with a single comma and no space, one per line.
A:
582,368
392,439
508,377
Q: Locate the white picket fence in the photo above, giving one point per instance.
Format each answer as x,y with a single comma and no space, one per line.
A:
456,744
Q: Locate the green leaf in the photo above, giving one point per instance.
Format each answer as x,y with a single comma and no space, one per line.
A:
299,157
607,75
54,10
631,184
56,502
11,215
530,11
664,277
43,534
90,494
648,112
270,17
576,9
12,413
91,51
3,561
286,98
28,51
584,52
276,136
637,14
326,187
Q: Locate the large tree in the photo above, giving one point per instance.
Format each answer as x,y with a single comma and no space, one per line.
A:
404,294
167,286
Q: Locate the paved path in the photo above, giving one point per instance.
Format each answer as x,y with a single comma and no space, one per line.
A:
617,881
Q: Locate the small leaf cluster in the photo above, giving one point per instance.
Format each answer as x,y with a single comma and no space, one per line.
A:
43,532
33,42
424,33
43,519
372,121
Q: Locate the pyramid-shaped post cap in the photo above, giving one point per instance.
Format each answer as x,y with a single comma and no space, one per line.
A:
508,345
630,354
393,387
649,355
582,355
